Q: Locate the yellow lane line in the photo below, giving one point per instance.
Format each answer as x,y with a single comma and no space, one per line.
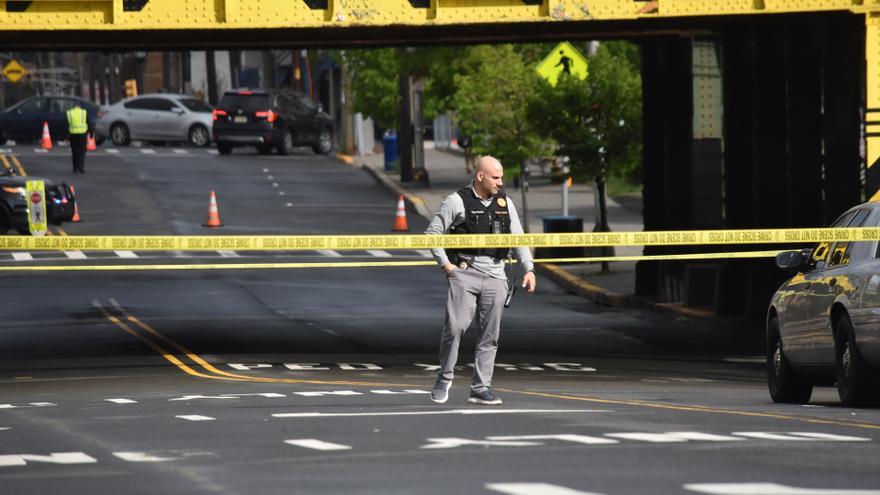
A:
233,376
702,409
162,352
6,164
19,166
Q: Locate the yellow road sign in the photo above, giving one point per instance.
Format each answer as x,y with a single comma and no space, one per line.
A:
14,71
36,201
563,59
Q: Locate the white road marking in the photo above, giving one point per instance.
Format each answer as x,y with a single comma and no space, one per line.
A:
358,366
121,401
195,417
289,205
435,412
248,367
584,439
52,458
148,152
769,489
452,443
799,437
28,405
329,253
333,392
75,255
274,184
674,437
126,254
4,428
40,150
403,392
311,443
270,177
212,152
379,253
281,193
534,489
425,253
265,170
180,151
229,254
22,257
141,457
271,395
111,150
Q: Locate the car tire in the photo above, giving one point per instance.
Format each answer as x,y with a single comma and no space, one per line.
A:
786,385
224,149
855,383
286,146
325,142
120,135
264,149
198,136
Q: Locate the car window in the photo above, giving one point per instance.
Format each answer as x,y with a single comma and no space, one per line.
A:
842,251
139,104
823,249
245,102
194,105
61,104
36,105
163,105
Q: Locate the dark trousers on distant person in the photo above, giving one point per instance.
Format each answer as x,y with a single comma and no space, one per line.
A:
78,151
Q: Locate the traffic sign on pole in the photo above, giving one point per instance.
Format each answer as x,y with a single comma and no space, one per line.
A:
563,59
14,71
36,198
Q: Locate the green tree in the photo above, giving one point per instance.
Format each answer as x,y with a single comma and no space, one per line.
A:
373,82
492,100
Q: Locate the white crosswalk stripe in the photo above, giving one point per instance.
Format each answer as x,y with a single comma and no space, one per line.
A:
112,151
22,257
329,253
314,444
75,255
126,254
534,489
229,254
379,253
195,417
148,151
180,151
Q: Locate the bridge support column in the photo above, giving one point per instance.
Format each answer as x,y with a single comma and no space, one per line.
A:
872,104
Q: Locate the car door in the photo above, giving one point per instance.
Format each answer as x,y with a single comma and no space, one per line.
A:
141,117
58,108
833,280
168,120
797,324
26,121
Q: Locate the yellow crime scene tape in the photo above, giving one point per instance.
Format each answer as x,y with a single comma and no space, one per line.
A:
371,264
392,242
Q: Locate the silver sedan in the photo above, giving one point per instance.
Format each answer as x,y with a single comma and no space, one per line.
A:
823,325
156,117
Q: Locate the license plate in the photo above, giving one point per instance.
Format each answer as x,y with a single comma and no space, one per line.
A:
241,119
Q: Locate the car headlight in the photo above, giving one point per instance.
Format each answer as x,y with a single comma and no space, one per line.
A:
16,190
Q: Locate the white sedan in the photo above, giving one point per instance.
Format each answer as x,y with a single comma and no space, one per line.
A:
823,324
156,117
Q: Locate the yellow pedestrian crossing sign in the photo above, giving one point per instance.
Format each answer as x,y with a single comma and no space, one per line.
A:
563,59
14,71
36,201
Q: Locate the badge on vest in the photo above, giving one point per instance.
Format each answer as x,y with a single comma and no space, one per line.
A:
502,202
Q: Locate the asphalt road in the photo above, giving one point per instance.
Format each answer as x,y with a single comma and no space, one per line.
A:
316,380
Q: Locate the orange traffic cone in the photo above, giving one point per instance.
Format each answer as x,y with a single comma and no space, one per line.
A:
90,143
76,218
400,219
213,219
46,141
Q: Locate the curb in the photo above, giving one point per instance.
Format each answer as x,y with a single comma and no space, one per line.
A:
605,297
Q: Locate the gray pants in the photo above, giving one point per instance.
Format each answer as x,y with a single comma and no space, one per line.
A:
472,294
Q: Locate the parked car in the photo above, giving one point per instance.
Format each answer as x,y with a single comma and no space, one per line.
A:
60,202
277,119
156,117
823,325
24,120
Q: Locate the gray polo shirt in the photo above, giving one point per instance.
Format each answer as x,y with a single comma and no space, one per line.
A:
452,213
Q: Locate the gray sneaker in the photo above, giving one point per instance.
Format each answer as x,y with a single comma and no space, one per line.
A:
440,392
484,397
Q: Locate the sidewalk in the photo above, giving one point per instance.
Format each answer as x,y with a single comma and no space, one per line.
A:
446,172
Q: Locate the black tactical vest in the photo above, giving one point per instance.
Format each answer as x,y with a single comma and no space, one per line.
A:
479,219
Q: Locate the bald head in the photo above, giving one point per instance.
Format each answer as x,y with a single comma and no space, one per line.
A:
489,176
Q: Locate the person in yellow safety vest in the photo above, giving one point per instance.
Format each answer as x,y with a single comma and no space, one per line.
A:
78,127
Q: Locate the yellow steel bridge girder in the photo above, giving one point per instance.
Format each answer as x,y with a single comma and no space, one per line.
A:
231,14
872,103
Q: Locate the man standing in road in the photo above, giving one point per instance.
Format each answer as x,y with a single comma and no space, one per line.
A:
478,284
78,127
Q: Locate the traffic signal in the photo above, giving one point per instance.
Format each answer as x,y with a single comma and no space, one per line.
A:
131,87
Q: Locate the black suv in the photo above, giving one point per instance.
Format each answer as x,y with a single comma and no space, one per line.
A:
60,202
280,119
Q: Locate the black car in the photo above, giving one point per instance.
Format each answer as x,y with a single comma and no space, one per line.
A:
24,120
270,119
60,202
